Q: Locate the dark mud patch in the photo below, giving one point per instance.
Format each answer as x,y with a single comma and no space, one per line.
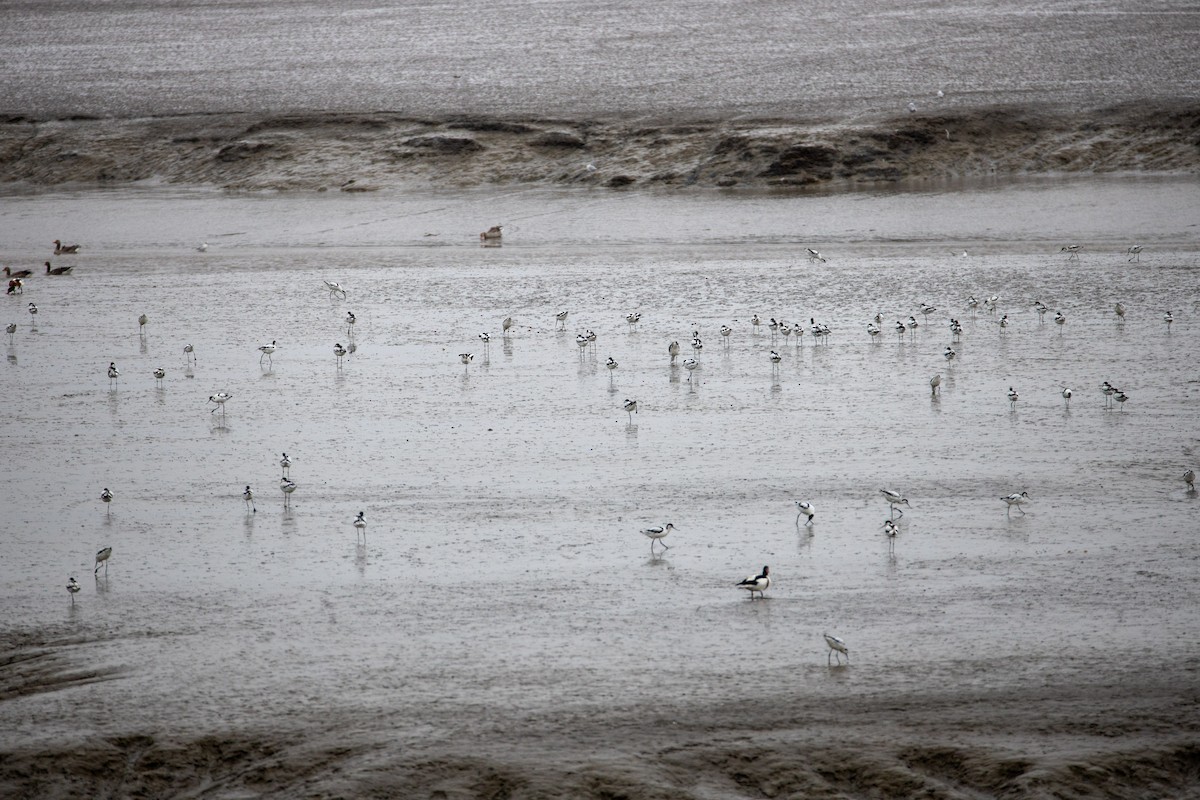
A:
319,150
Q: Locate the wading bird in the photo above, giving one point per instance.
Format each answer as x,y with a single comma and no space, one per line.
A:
339,352
1134,253
934,383
1072,251
113,373
894,500
266,350
33,311
350,322
805,509
360,524
673,350
10,329
633,317
287,487
1016,500
106,496
813,255
630,409
72,588
335,290
1013,397
189,353
560,320
505,325
492,234
757,583
248,496
102,556
690,364
286,464
1120,309
836,646
1066,395
220,398
159,374
142,320
657,534
1189,478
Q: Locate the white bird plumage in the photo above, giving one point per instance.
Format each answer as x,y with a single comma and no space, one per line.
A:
657,533
836,645
757,583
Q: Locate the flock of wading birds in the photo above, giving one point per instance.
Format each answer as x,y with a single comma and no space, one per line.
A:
756,585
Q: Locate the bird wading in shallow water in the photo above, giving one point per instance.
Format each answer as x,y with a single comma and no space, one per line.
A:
805,509
102,556
657,534
248,496
1016,500
757,583
836,646
894,500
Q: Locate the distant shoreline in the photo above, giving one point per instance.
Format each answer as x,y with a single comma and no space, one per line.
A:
362,152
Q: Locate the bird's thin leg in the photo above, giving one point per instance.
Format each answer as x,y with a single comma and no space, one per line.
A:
1021,510
828,656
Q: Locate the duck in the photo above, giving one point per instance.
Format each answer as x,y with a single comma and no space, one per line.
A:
61,249
58,270
757,583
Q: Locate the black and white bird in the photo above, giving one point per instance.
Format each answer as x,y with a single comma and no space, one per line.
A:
1072,251
631,409
757,583
657,533
1134,253
72,588
1013,397
805,509
287,487
690,364
248,496
335,290
633,317
339,352
10,329
1189,477
836,646
360,524
561,320
949,353
1066,396
33,311
813,255
466,359
106,496
159,374
505,325
894,500
267,350
142,320
351,321
220,398
189,352
286,464
934,383
611,364
102,556
1016,500
113,373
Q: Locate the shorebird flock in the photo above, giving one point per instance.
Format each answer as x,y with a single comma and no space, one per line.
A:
784,337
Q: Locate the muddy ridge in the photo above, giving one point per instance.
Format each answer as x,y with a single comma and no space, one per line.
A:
371,151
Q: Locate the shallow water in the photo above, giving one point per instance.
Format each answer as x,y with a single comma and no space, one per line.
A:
503,583
812,59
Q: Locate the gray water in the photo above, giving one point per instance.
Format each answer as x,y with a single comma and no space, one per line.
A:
504,590
503,628
813,59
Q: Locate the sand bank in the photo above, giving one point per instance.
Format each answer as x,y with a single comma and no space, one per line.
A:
370,151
